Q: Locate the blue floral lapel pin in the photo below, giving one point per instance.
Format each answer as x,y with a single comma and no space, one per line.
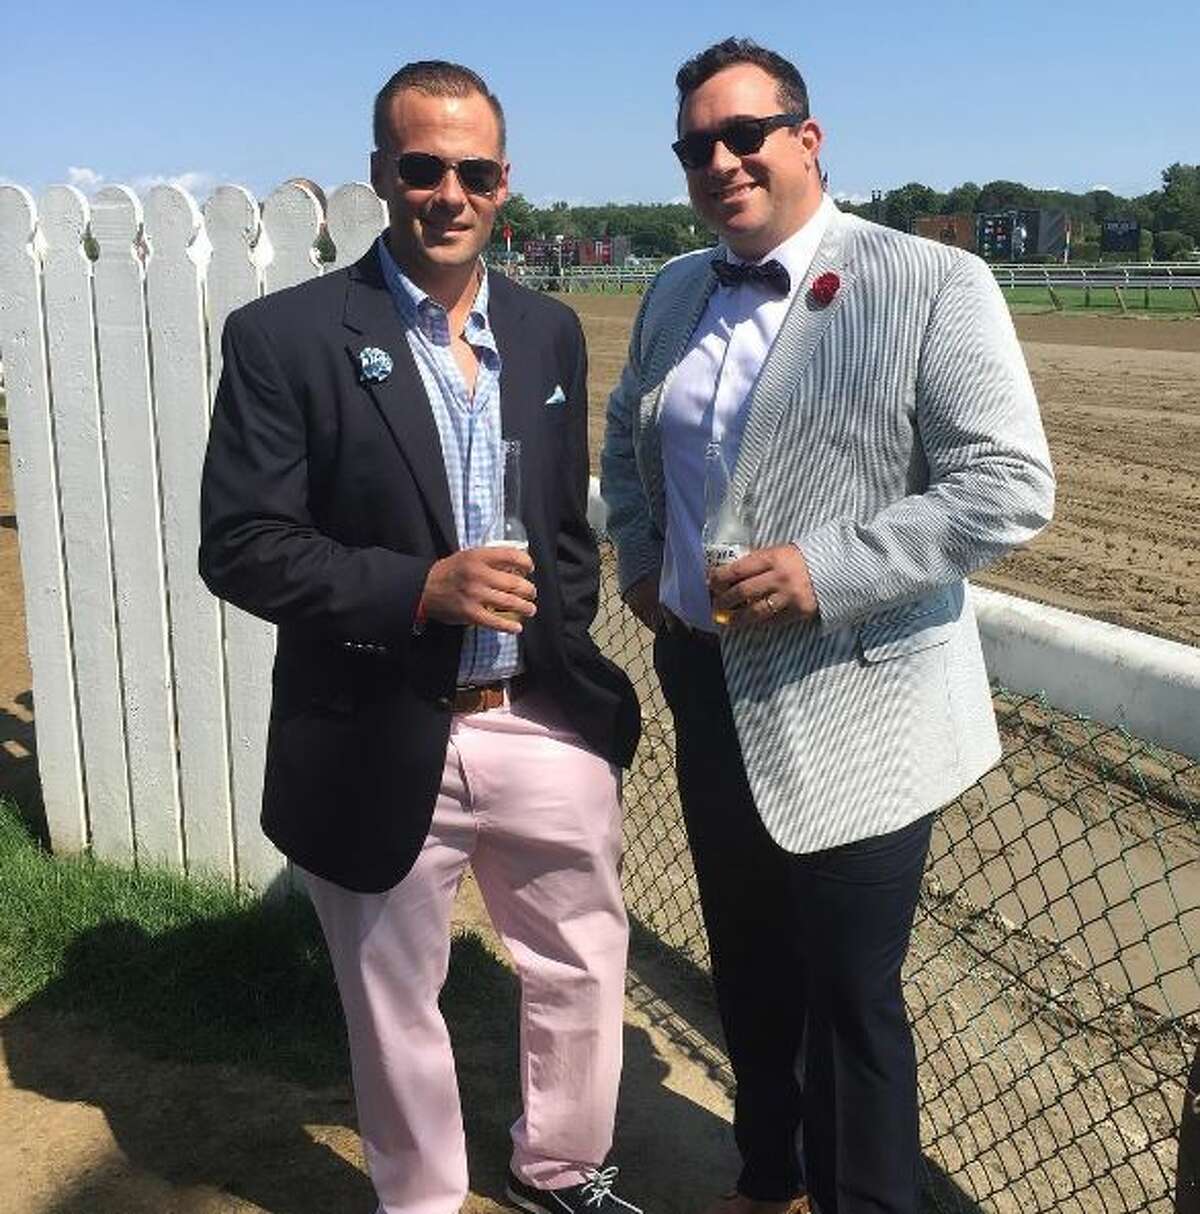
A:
374,365
557,397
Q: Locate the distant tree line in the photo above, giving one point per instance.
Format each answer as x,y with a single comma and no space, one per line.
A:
1169,216
654,229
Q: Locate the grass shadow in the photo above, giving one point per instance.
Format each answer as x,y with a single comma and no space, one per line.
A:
213,1050
206,1030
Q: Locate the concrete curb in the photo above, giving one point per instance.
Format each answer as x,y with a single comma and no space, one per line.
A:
1144,684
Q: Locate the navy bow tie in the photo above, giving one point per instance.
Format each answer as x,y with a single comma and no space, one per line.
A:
770,274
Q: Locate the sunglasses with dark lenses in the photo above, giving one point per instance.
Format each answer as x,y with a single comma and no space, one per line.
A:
742,136
424,171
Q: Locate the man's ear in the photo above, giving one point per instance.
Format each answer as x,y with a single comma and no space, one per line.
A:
812,137
377,161
500,193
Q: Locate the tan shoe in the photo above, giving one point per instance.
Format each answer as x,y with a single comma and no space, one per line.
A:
735,1203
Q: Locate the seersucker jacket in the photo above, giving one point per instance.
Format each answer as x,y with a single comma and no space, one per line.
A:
894,435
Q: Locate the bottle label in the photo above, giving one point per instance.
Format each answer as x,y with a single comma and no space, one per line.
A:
721,554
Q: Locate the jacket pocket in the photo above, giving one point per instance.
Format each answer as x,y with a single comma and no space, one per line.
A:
908,629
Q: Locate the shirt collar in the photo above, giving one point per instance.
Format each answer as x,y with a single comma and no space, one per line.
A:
796,253
415,305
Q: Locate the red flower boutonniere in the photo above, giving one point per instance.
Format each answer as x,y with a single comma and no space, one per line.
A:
824,288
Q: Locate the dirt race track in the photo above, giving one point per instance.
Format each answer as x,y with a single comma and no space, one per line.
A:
1120,400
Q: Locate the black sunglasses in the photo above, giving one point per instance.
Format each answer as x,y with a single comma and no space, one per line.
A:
742,136
424,171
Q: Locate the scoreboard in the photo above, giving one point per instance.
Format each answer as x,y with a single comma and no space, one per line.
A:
996,236
1019,234
1120,236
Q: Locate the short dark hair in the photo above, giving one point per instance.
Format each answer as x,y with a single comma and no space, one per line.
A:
434,78
790,87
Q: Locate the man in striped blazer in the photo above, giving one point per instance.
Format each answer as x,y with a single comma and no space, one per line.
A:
869,395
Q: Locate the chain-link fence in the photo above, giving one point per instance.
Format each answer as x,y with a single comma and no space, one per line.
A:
1052,979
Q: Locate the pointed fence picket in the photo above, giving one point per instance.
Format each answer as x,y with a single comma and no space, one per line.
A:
290,224
234,229
152,698
31,435
135,518
291,220
355,218
175,300
83,499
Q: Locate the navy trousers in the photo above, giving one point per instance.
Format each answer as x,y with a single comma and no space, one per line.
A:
806,955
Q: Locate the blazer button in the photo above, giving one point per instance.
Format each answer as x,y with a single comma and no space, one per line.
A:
445,702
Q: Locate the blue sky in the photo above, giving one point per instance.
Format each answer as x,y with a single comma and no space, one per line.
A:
1062,93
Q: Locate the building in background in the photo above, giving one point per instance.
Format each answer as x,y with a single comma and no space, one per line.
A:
1033,234
956,230
576,251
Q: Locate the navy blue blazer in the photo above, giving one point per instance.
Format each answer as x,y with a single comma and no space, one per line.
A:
323,505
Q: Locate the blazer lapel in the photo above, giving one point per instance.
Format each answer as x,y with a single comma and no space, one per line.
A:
680,317
802,328
371,317
519,398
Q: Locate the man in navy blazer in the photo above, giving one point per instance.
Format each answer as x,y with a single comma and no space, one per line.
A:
437,699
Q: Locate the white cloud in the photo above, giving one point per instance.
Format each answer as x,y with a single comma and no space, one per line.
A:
1101,187
853,199
197,182
85,179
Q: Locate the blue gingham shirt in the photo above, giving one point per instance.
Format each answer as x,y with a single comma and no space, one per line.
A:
469,428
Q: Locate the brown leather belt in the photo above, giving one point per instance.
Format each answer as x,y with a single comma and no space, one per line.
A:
484,696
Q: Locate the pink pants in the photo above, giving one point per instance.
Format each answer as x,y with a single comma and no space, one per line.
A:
537,816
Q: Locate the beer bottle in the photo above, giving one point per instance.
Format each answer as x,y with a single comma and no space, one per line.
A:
726,534
508,531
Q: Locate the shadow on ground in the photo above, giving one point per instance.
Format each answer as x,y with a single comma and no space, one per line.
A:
216,1055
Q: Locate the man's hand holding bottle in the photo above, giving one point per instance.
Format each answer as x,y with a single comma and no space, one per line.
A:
489,587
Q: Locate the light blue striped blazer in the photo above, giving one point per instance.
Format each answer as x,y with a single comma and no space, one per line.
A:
895,436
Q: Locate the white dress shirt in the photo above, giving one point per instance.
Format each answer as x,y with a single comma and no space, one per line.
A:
705,400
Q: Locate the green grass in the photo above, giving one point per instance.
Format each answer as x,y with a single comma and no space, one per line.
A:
173,968
189,970
1102,300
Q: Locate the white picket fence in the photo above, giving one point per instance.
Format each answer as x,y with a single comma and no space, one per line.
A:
151,697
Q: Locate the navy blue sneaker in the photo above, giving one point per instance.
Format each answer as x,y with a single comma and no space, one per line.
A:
594,1196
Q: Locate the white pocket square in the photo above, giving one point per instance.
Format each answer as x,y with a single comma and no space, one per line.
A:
557,397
